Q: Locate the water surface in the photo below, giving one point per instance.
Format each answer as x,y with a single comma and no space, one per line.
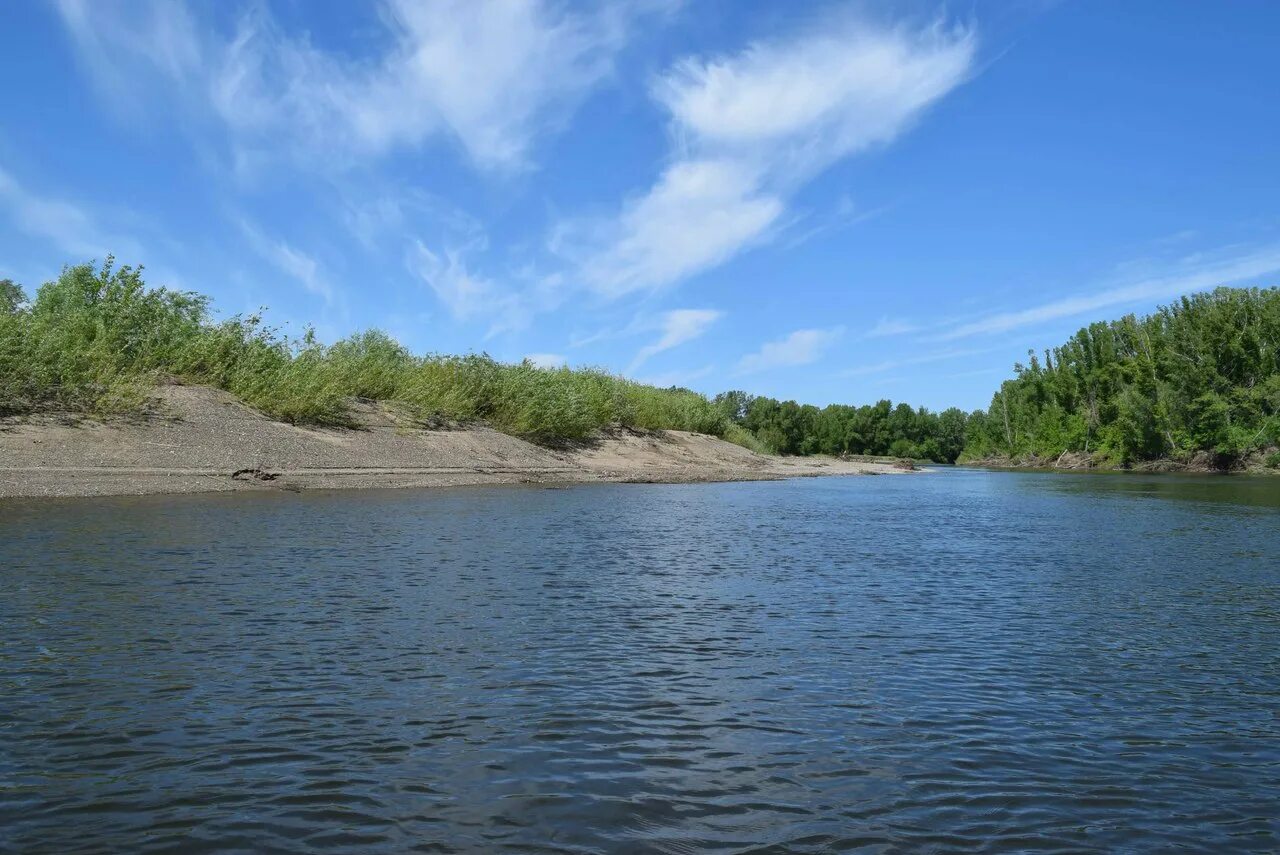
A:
965,661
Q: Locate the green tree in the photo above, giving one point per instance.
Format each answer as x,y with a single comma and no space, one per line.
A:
11,296
951,433
1192,376
734,404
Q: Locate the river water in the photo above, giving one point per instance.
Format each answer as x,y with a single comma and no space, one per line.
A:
961,661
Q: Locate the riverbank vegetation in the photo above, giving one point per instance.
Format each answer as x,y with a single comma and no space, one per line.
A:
1197,379
881,429
96,340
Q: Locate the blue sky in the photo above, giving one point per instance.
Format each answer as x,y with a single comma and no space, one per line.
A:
831,202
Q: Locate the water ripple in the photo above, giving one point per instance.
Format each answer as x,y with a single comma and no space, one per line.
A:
967,662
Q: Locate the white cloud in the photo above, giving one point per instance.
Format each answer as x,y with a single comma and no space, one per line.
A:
841,216
490,74
800,348
804,103
463,293
678,326
751,128
379,213
1194,276
302,267
470,296
698,215
890,327
290,261
70,227
547,360
920,359
122,45
579,339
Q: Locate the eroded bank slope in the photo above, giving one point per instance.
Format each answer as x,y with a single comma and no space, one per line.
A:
1200,462
204,440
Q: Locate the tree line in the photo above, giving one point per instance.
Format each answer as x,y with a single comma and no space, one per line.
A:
880,429
1200,376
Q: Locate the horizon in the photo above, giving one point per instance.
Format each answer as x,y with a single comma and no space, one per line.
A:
834,207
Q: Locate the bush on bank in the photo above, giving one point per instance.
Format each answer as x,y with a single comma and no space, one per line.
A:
96,340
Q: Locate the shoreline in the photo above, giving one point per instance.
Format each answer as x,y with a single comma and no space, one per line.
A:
109,482
1201,464
202,440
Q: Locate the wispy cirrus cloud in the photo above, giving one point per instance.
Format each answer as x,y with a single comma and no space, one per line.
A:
1157,281
749,129
127,49
489,74
917,359
72,227
886,327
467,295
470,295
678,327
799,348
1195,274
293,262
489,78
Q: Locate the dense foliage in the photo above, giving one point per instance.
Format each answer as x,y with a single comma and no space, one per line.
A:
786,427
97,340
1201,375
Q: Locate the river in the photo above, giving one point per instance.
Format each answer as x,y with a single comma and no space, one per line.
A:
959,661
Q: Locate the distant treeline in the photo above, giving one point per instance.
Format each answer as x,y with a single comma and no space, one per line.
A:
786,427
1199,376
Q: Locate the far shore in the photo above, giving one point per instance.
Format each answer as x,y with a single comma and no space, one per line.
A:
204,440
1201,463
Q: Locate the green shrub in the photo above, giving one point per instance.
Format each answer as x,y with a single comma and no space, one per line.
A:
371,365
97,340
904,448
739,435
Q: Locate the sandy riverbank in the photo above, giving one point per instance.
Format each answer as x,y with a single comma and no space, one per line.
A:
204,440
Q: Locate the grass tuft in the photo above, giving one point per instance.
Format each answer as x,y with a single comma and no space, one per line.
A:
96,340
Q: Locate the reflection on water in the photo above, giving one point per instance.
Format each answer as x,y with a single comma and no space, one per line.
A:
963,661
1259,491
